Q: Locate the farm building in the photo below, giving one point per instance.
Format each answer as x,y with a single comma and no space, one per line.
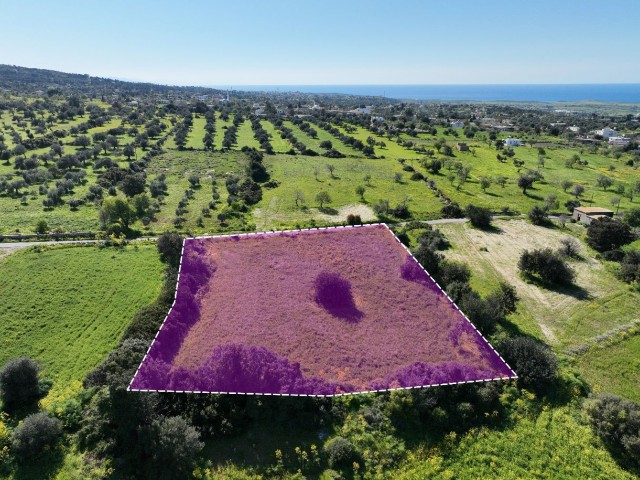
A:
457,124
512,142
462,147
619,141
587,215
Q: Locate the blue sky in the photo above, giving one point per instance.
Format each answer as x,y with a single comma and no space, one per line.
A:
286,42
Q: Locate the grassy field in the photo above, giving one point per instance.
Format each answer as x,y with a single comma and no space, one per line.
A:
177,166
279,145
68,306
543,447
562,317
196,134
246,136
613,368
296,173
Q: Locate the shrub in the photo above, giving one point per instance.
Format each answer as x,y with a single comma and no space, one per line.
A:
36,432
176,444
571,205
400,211
170,248
42,227
479,217
617,422
452,210
545,264
19,383
569,247
505,298
341,453
608,234
353,219
630,267
451,271
533,361
538,215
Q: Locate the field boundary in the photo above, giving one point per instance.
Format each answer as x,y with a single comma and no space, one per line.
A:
278,232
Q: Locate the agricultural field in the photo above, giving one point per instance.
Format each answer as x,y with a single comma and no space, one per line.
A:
345,348
613,367
67,306
543,445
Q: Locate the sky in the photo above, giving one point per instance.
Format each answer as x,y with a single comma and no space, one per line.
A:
328,42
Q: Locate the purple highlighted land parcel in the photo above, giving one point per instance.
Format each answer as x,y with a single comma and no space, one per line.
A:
312,312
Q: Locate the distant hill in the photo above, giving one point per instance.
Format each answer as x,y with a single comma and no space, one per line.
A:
38,81
31,80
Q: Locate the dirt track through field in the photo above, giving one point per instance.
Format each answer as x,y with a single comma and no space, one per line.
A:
493,256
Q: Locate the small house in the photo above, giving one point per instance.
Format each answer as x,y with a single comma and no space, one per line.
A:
457,124
607,133
587,215
462,147
512,142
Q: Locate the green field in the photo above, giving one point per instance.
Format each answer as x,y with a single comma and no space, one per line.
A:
279,145
68,306
613,368
296,173
196,134
553,445
246,136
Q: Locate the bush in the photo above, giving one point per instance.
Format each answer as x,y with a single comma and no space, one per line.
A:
630,267
19,383
354,219
36,432
451,271
538,215
170,248
341,453
569,247
608,234
571,204
479,217
176,445
547,265
617,422
452,210
533,361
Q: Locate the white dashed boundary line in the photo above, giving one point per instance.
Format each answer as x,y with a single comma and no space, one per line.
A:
278,232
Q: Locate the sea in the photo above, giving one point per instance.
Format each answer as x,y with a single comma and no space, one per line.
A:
546,93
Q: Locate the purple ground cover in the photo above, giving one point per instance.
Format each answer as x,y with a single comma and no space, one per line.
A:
317,312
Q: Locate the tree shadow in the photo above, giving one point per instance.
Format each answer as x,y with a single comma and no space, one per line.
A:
571,290
328,211
491,229
44,465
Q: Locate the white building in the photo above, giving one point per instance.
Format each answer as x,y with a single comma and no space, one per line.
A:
361,111
574,129
512,142
377,119
619,141
607,132
457,124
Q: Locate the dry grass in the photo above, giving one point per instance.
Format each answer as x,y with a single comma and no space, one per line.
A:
262,294
563,317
